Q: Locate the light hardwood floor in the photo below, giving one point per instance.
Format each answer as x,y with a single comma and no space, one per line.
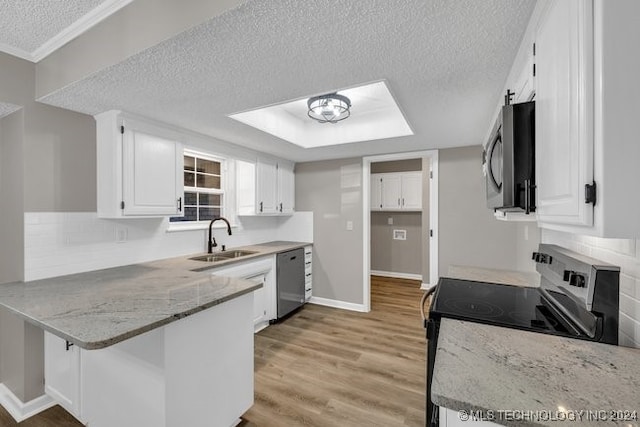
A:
330,367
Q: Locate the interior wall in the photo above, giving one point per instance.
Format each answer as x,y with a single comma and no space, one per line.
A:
332,190
48,164
468,232
408,165
396,256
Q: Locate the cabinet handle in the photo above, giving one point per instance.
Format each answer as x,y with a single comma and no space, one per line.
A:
260,206
179,204
68,345
280,206
398,201
403,201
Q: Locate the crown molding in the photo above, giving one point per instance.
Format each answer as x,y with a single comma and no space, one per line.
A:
83,24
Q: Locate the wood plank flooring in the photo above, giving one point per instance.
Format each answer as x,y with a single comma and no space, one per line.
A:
330,367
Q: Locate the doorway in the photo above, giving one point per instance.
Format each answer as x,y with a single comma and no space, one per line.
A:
383,221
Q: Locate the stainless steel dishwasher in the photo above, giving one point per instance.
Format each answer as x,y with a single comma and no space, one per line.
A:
290,281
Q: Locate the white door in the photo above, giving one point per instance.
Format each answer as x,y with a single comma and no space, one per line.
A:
286,188
376,192
152,174
266,185
564,112
412,190
391,191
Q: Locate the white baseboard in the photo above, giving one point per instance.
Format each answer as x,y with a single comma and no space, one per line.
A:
19,410
426,286
337,304
397,275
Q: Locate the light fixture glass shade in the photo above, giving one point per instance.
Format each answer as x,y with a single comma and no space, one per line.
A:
330,108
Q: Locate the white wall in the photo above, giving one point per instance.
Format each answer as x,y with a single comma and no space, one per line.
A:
59,243
622,252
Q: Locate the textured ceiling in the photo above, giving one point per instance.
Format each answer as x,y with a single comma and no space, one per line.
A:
445,62
28,24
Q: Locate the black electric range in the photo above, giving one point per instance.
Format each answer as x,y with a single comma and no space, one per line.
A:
577,298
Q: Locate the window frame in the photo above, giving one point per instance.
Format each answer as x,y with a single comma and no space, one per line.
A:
224,192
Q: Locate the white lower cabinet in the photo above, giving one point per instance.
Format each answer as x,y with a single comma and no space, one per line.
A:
308,273
264,299
62,373
197,371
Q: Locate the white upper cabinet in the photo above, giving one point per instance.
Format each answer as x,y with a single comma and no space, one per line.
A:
396,191
265,187
587,112
411,190
286,188
376,192
564,112
139,168
391,191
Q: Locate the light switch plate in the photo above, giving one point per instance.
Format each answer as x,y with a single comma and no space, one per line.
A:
390,220
350,225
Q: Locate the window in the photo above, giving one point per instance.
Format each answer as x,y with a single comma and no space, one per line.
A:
203,188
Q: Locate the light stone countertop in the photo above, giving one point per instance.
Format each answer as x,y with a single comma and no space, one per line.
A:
505,277
484,367
100,308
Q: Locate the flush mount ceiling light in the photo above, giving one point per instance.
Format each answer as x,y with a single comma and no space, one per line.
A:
330,108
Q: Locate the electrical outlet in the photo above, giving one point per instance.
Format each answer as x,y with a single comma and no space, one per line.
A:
350,225
390,220
121,234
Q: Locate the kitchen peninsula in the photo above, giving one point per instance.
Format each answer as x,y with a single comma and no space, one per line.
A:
144,345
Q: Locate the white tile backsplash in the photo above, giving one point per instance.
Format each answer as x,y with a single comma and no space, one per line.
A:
59,243
622,252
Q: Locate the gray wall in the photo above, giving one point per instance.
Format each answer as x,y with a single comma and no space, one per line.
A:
47,163
397,166
332,190
469,234
397,256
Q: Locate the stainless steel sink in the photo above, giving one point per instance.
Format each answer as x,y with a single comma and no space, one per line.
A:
222,256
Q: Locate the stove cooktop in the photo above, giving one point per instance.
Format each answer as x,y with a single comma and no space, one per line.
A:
500,305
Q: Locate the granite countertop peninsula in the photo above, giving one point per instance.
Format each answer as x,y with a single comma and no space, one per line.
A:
489,368
491,275
100,308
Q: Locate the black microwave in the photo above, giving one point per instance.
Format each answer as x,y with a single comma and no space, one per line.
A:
508,160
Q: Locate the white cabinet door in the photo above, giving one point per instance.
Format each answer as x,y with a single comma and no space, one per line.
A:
286,187
391,191
152,174
524,86
266,186
62,373
139,168
564,112
376,192
260,302
411,190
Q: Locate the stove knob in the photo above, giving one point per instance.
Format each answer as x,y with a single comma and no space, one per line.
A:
577,280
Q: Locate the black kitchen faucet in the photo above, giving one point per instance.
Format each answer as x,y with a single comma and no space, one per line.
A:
211,243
